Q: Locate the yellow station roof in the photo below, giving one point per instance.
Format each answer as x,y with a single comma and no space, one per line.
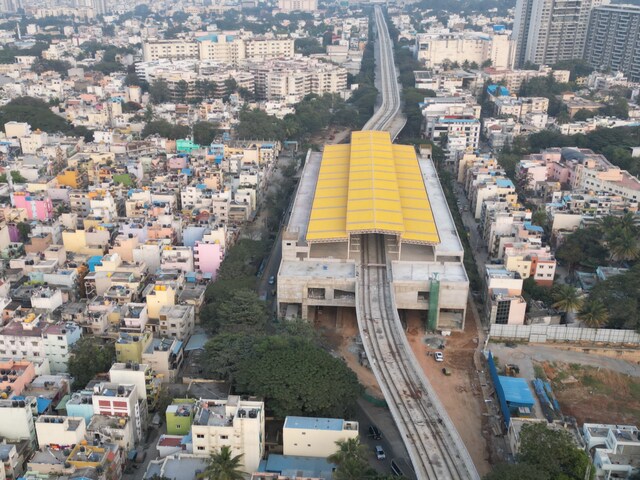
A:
371,186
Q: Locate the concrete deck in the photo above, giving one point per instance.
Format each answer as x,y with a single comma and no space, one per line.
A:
311,269
449,241
299,219
423,271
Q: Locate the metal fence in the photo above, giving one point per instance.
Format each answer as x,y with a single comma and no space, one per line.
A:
563,333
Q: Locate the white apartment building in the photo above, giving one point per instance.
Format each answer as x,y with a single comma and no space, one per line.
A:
219,47
177,257
519,108
504,303
177,321
315,437
58,340
287,6
513,79
53,429
548,31
616,449
436,49
116,400
16,419
233,422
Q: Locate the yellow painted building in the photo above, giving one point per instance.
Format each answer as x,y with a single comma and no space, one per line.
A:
70,178
129,348
160,296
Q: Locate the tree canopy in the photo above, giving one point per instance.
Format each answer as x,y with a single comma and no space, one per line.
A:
166,130
205,132
90,357
546,454
297,377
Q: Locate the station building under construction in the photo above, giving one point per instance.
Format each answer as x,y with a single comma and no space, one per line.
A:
372,186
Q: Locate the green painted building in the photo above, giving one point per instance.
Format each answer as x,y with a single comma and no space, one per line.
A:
179,416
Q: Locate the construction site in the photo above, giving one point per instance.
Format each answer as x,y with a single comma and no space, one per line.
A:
348,191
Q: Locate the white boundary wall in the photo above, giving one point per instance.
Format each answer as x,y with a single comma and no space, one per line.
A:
561,333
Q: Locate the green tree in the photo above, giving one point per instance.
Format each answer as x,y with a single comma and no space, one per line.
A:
225,351
239,311
621,295
257,124
593,313
351,461
205,132
583,247
182,89
624,246
296,377
165,130
553,452
224,466
517,471
24,230
159,91
583,114
566,299
36,113
88,358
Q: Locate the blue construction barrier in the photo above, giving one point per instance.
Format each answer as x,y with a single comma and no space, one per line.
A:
493,371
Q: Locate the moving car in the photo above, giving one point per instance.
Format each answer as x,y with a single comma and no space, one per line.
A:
438,356
272,280
380,455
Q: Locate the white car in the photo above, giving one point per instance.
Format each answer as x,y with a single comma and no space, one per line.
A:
380,455
438,356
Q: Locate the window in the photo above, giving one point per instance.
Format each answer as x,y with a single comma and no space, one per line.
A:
177,426
224,437
200,448
36,354
199,435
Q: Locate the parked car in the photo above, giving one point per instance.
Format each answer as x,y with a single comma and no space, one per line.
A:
272,280
374,432
380,455
438,356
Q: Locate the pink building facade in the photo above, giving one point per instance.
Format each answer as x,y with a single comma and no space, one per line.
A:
207,257
36,207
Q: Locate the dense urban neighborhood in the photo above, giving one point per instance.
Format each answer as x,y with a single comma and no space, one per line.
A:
319,240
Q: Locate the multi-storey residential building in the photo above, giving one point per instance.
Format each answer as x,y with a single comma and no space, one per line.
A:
165,357
315,437
115,400
513,79
436,49
177,321
234,422
16,419
59,430
58,340
613,40
219,47
503,296
615,449
520,107
531,261
36,207
549,31
139,374
298,5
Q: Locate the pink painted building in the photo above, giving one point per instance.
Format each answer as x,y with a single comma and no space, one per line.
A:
15,375
207,257
37,207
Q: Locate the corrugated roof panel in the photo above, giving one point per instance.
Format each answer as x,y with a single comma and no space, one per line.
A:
371,185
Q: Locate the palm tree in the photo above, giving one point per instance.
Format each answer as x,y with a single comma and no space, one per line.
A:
566,299
624,246
593,313
349,449
223,466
